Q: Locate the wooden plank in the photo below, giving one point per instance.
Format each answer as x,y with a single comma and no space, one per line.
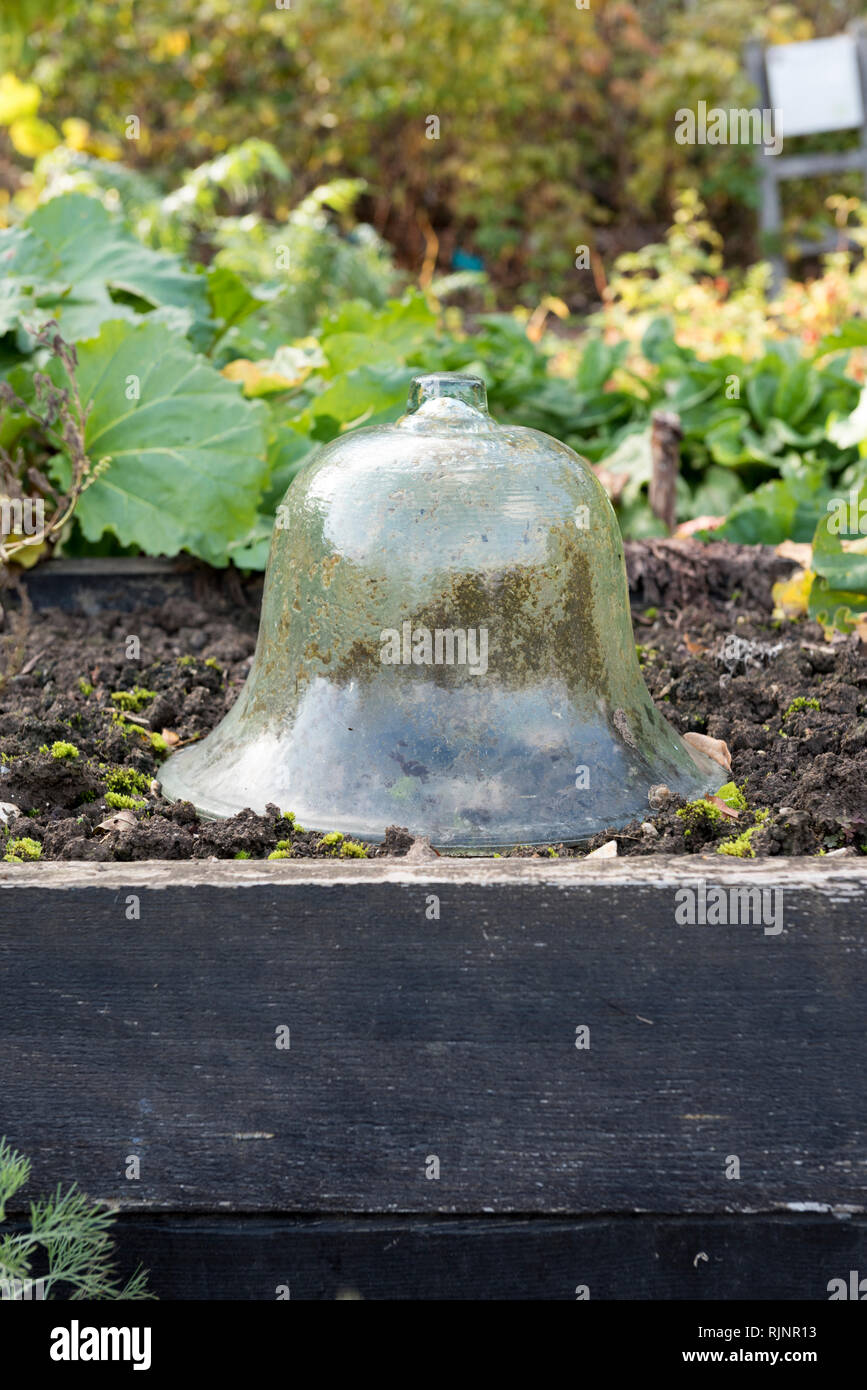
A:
743,1257
452,1038
93,585
804,166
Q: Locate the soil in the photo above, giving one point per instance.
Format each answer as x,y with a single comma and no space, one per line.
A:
714,659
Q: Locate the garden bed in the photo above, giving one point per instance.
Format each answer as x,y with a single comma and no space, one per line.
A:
433,1008
142,1008
84,726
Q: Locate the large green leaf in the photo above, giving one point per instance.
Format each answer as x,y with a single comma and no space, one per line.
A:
362,395
74,242
840,545
852,334
187,456
784,509
797,393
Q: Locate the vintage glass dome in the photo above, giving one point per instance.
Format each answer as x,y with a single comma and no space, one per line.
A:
445,644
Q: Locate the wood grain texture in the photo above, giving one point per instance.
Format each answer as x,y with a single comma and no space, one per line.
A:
705,1258
452,1038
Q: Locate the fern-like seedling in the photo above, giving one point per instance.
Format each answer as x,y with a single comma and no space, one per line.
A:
66,1251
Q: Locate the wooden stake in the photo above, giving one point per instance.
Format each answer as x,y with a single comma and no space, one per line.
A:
665,436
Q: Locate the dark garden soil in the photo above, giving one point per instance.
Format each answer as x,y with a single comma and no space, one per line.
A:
79,721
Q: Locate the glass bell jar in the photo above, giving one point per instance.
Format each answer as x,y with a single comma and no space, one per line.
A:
445,644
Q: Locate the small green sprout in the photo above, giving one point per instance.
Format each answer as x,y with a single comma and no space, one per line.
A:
85,686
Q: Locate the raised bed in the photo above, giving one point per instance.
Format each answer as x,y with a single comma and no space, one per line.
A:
141,1002
414,1038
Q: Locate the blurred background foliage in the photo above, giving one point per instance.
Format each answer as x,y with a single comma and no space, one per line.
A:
555,123
251,191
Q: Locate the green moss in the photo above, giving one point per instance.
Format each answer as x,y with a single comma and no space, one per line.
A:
352,849
186,660
243,854
19,850
293,824
331,842
651,614
697,813
801,703
132,700
212,661
733,796
336,844
283,850
119,801
61,750
126,779
740,847
85,686
158,743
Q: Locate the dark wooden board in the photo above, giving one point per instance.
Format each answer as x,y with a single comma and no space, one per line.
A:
744,1257
455,1038
93,585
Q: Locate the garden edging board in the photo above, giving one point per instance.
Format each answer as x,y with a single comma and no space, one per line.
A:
436,1067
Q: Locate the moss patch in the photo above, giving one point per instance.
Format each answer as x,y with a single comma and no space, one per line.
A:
740,847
